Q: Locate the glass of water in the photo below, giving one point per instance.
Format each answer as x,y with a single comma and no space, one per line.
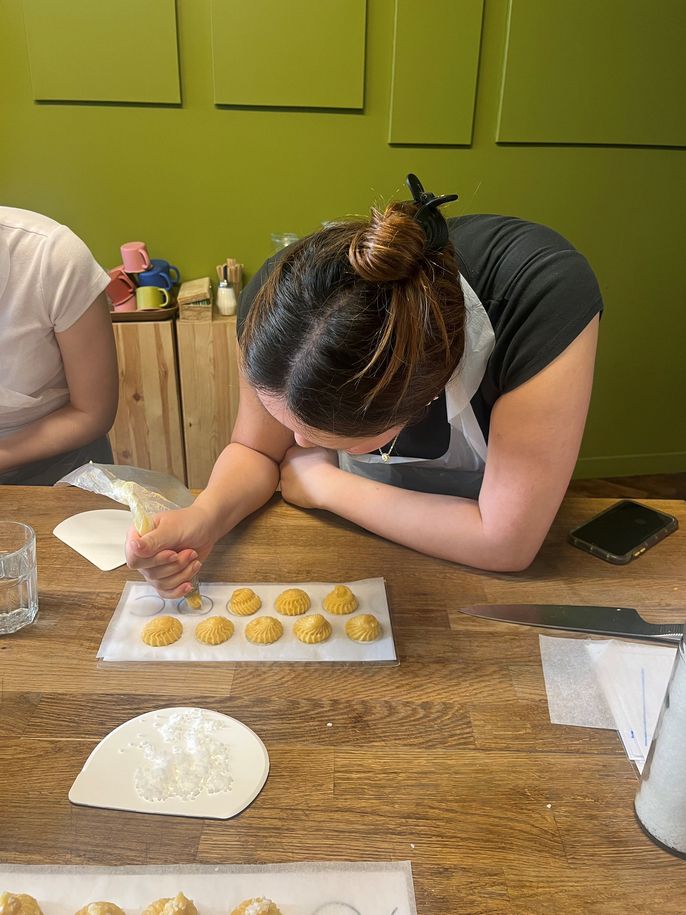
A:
18,591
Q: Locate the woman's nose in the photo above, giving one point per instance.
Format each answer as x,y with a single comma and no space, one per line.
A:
302,441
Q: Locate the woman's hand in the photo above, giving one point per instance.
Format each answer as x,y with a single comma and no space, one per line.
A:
307,475
169,556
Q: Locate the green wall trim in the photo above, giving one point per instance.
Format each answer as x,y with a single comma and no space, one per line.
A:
624,465
103,50
289,54
595,71
435,64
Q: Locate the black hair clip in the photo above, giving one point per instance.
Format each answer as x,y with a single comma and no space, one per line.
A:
428,215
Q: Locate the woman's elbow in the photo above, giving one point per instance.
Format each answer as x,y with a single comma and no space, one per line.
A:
101,417
113,406
108,417
506,557
515,562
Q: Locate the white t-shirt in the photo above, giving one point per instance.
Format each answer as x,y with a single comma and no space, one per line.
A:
48,279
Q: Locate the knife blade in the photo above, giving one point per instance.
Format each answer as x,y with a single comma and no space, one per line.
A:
623,622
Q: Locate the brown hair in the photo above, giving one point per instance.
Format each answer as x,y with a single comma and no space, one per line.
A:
357,327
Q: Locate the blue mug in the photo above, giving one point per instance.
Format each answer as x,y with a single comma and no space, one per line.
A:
159,273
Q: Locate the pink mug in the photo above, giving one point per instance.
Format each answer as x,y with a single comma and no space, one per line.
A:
121,286
135,256
127,305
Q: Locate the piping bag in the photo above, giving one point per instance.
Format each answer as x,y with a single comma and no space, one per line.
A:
122,484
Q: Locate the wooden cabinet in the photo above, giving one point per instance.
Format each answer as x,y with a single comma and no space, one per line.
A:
208,374
148,429
178,395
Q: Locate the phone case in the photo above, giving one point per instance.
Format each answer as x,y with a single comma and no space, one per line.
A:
671,525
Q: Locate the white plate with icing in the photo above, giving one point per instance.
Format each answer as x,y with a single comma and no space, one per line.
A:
178,761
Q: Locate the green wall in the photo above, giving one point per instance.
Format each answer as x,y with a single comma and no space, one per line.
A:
199,183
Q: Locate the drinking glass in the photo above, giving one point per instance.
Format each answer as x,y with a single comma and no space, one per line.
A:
661,800
18,591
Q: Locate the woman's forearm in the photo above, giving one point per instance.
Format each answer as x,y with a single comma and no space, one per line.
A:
64,430
242,480
447,527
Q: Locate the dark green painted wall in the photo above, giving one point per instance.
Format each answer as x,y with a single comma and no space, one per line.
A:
200,183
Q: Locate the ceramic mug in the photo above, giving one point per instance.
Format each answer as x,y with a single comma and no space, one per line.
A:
160,273
135,256
127,305
121,286
151,297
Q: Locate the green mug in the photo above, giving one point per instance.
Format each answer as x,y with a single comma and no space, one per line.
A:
151,297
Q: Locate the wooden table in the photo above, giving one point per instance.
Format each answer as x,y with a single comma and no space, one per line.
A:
448,760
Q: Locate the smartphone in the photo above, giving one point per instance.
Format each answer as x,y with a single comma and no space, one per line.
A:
623,532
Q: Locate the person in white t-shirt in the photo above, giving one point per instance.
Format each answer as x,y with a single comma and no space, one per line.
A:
58,364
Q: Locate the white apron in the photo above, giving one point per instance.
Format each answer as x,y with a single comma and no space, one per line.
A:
460,470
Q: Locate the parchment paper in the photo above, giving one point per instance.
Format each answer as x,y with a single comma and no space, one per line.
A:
575,695
321,888
122,640
607,683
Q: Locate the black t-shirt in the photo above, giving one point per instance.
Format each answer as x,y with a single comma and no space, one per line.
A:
539,293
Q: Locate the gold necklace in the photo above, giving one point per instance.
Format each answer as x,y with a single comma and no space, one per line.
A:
386,455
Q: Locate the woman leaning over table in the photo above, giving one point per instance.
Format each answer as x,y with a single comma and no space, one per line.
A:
58,366
426,380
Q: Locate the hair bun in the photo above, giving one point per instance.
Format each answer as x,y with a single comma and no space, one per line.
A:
389,247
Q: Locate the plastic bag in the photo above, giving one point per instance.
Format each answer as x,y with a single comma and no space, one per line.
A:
156,491
132,486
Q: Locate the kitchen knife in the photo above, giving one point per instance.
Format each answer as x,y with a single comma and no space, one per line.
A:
614,621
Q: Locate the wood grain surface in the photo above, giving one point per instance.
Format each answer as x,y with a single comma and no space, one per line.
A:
448,759
208,372
147,430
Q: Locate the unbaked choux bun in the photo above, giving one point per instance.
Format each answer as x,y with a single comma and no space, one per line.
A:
244,602
293,602
363,628
264,630
312,628
258,906
214,630
162,631
340,601
179,905
101,908
18,904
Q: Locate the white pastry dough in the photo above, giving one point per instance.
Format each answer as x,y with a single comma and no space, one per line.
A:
340,601
162,631
363,628
18,904
179,905
312,628
214,630
293,602
259,906
264,630
244,602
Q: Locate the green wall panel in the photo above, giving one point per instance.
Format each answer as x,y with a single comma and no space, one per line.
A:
595,71
199,183
435,64
295,53
103,50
